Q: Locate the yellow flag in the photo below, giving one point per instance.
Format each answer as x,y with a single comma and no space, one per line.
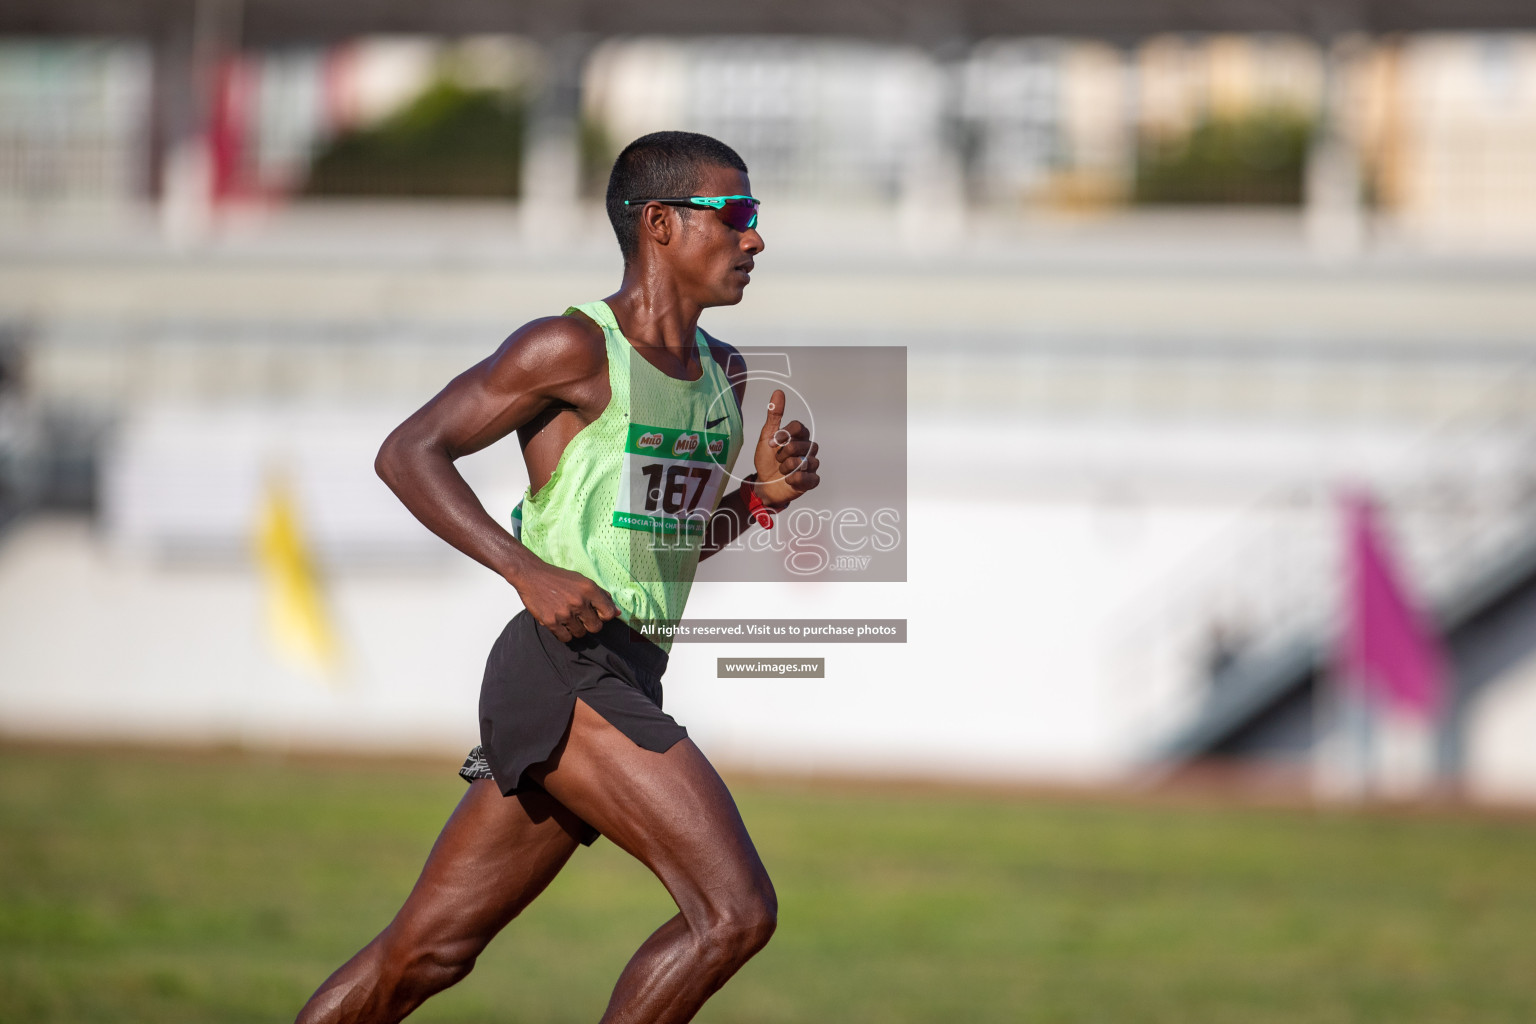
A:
298,621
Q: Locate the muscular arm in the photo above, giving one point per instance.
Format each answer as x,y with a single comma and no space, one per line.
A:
546,364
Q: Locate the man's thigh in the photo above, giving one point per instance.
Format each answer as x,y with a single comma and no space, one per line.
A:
492,858
670,810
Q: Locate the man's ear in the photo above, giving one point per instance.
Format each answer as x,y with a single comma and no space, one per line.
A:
657,223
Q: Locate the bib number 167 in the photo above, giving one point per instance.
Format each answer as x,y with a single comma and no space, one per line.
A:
675,488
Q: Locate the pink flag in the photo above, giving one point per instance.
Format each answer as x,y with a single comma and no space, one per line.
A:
1386,648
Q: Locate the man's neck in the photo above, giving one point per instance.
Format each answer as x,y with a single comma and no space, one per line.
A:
653,313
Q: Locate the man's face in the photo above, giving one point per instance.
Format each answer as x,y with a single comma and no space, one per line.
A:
713,258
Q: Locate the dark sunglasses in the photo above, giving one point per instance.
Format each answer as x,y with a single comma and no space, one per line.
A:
740,212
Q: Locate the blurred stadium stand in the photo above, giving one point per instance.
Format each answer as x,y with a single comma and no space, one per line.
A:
1149,394
1264,705
203,103
1465,517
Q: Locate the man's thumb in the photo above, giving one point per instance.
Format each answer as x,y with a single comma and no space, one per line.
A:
775,414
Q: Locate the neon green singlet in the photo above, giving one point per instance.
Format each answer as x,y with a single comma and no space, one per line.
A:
627,502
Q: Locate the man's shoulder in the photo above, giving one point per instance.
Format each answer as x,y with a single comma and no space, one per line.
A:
731,364
571,341
725,354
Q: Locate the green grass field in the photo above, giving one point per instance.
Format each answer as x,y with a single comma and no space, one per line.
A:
163,887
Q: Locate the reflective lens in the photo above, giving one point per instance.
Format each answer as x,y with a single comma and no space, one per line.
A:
740,214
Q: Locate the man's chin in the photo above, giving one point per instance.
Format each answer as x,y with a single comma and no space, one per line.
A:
730,295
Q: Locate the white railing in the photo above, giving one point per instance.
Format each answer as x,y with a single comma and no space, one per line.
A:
1452,514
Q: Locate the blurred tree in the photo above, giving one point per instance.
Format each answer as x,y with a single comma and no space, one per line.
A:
452,140
1259,157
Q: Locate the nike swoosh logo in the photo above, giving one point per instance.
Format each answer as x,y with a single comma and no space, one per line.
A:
714,423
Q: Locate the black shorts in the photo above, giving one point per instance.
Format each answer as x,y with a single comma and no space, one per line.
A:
529,694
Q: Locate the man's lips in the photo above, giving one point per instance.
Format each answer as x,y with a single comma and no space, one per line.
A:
745,268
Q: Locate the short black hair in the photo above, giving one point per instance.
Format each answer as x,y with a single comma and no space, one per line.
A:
656,165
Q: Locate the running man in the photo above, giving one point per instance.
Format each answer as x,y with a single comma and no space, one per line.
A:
630,421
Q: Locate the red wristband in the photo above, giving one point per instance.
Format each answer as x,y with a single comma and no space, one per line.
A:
755,507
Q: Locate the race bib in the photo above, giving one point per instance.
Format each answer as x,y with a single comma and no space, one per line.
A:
671,479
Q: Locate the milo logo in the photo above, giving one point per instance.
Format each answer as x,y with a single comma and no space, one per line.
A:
683,445
715,447
653,440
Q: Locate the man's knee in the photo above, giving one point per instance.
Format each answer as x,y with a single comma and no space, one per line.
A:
424,965
742,926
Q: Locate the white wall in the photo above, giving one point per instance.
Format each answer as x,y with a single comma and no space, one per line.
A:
1501,737
1054,569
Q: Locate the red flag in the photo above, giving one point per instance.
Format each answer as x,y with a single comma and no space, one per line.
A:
228,127
1387,648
